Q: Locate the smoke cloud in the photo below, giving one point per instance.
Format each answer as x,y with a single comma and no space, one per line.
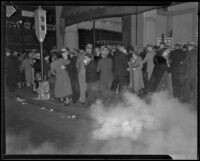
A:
159,125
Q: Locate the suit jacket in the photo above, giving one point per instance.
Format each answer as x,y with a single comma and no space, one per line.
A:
91,72
120,64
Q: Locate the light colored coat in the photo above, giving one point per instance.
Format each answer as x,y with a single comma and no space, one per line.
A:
62,86
81,77
137,77
27,67
150,64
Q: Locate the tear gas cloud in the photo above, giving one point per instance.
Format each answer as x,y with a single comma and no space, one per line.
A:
161,126
132,126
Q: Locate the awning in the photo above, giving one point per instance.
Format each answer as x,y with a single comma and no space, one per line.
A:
77,14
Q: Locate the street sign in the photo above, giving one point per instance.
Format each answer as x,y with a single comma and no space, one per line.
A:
10,10
27,13
40,24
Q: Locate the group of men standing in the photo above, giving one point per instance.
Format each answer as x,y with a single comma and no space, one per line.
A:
86,75
184,72
101,72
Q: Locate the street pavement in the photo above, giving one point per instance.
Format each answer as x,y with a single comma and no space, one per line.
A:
46,121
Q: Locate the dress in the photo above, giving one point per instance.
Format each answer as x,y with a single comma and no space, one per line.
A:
62,86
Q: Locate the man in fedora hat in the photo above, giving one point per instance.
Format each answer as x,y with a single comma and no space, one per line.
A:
62,89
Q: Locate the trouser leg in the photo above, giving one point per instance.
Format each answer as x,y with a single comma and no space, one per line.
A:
83,87
75,89
115,83
123,83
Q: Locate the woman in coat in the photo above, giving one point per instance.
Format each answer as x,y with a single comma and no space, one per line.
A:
161,77
62,88
27,66
136,77
105,67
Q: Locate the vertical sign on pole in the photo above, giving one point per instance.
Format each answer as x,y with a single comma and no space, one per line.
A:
40,31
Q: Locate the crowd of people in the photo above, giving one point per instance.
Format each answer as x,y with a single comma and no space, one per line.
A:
83,76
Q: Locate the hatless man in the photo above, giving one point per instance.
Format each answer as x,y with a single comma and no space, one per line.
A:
81,72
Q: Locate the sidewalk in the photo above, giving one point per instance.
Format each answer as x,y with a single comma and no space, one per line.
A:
27,94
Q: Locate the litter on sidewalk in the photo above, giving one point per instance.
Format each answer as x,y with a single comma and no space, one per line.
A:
71,116
62,116
20,99
43,108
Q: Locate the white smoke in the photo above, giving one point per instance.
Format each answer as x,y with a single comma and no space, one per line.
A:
163,126
132,126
